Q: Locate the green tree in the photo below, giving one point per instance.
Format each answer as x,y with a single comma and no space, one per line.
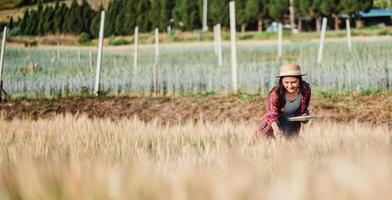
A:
73,22
87,15
59,16
23,24
240,14
336,11
142,6
353,7
187,15
384,4
120,28
95,23
32,22
256,10
48,24
40,19
130,16
11,23
154,13
277,9
113,10
218,12
165,13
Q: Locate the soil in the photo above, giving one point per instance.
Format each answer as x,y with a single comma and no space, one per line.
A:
373,109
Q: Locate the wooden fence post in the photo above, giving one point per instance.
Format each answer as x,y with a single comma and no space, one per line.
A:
322,38
2,91
233,47
100,51
135,48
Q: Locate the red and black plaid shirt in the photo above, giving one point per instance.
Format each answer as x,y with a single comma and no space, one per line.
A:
273,113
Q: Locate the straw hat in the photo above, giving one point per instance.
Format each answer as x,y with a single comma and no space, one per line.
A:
290,70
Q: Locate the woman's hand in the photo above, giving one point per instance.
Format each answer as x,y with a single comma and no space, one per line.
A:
277,132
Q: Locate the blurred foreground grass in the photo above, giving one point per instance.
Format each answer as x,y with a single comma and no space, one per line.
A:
80,158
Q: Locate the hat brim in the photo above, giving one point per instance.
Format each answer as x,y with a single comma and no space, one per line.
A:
289,75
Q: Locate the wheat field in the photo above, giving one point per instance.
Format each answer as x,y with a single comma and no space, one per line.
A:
70,157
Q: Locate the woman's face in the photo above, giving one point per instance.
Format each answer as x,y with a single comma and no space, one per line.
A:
290,83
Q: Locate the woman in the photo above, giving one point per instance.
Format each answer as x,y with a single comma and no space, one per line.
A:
289,98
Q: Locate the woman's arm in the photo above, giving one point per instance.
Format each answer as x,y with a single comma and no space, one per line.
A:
272,112
269,123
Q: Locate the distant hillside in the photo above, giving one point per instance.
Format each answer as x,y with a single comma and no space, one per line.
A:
10,8
7,4
12,4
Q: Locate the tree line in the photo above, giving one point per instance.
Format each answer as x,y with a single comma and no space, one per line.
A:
186,15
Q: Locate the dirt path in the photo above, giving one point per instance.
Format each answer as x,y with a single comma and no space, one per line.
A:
374,109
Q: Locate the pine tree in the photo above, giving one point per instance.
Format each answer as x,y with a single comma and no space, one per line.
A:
32,22
11,23
59,16
187,14
40,18
87,14
120,27
154,13
47,21
95,23
113,10
142,16
165,13
130,16
23,22
73,22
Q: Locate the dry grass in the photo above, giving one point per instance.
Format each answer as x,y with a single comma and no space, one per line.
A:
80,158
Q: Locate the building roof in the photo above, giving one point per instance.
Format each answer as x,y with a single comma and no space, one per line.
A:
376,13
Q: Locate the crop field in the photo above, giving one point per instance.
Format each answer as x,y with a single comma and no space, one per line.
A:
69,157
185,69
194,139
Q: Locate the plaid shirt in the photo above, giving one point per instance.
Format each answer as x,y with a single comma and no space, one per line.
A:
273,113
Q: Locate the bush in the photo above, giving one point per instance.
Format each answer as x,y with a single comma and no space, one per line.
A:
245,36
13,32
84,38
118,41
384,32
372,27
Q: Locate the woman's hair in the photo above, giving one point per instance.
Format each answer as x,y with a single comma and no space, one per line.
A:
281,90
